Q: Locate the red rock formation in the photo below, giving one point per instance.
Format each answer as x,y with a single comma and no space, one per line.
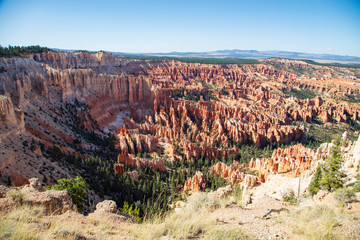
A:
250,181
229,172
119,168
293,161
133,175
7,113
66,60
182,73
134,162
194,184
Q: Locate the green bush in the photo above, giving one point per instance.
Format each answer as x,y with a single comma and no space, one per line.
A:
290,197
128,209
76,188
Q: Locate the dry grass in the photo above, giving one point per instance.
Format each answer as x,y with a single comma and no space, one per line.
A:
317,223
16,196
226,233
192,220
198,218
21,223
27,222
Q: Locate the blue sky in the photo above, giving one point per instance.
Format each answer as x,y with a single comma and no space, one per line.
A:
162,26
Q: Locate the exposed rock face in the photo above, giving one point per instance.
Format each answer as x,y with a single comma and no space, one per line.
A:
128,160
182,72
119,168
221,192
351,155
34,183
231,172
103,93
45,99
7,113
295,160
130,141
194,184
55,202
133,175
250,181
65,60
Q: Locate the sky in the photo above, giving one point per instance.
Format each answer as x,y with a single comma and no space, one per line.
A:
134,26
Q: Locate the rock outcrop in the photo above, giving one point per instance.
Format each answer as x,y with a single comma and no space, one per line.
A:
55,100
295,160
54,202
221,192
194,184
135,162
234,173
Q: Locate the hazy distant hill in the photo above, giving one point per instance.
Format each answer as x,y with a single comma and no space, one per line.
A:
236,53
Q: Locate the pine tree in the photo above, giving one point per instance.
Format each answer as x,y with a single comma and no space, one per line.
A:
332,177
314,186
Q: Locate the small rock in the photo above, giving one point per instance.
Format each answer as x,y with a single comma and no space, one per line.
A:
249,200
221,192
106,206
35,183
109,208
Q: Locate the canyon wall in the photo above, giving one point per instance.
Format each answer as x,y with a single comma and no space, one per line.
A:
57,101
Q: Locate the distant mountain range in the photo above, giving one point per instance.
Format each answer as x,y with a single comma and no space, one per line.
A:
247,54
253,54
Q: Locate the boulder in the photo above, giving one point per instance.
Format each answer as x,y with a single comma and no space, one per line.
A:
108,208
35,183
55,202
221,192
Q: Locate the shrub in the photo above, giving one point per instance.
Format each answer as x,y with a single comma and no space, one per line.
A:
128,209
16,196
76,188
290,197
345,195
237,194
